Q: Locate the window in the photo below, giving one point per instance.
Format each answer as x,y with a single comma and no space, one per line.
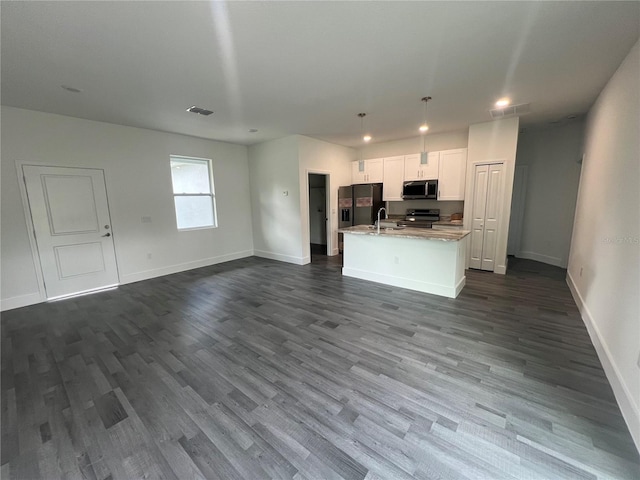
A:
193,192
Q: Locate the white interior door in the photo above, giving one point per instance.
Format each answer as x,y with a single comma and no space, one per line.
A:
491,217
72,228
487,187
480,182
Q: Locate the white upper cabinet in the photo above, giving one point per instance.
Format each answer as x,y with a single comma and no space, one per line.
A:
371,171
357,173
414,170
452,174
393,178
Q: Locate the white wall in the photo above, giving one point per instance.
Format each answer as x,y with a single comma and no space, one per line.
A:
138,179
604,263
335,161
281,223
407,146
275,200
551,156
492,142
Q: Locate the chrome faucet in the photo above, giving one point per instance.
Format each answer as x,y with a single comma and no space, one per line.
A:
385,216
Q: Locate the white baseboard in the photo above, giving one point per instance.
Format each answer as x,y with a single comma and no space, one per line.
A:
500,269
625,399
20,301
181,267
335,251
410,284
280,257
538,257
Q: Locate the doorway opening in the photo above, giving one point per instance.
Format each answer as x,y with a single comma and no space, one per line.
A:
318,231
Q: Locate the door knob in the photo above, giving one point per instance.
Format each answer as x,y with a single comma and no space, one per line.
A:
106,235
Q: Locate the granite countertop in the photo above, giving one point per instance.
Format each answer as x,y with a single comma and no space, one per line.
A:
408,232
449,223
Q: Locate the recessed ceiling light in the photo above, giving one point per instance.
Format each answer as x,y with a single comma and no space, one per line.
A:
253,130
71,89
424,127
503,102
200,111
367,138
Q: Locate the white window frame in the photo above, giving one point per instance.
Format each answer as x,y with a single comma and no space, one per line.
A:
211,193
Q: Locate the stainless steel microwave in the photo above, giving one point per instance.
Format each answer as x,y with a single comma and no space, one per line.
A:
418,189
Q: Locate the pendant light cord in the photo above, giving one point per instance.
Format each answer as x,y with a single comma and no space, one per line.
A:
361,115
424,134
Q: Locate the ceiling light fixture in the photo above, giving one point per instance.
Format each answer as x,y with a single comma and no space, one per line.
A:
423,131
199,111
365,136
253,130
503,102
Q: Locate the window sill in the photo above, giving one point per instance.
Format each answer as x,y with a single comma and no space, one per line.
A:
208,227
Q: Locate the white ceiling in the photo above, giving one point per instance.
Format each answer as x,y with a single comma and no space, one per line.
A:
310,67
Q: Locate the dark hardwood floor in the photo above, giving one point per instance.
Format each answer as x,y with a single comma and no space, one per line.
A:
256,369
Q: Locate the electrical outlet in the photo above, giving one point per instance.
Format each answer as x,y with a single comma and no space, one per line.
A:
285,193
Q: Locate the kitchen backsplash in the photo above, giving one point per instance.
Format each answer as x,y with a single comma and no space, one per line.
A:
446,208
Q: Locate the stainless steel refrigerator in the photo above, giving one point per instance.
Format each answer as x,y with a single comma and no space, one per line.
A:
358,205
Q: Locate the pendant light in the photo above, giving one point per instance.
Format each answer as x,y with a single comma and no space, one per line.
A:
365,138
423,131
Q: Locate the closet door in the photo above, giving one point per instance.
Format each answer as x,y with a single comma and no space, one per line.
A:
491,217
487,189
480,177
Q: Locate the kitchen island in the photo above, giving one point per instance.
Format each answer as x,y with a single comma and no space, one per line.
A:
426,260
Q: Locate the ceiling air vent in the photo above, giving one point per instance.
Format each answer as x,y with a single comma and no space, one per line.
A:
200,111
511,111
